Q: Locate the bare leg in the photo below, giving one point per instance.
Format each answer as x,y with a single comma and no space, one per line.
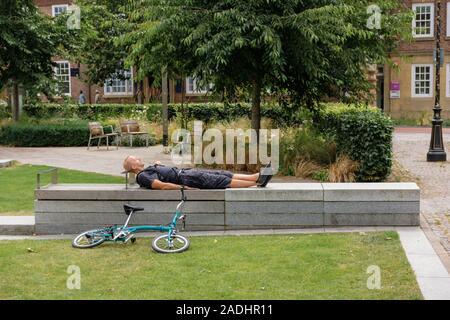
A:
242,183
246,177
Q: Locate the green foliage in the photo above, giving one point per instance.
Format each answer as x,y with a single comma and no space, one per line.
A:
102,21
363,133
206,112
29,39
304,144
308,49
5,111
44,135
321,175
98,112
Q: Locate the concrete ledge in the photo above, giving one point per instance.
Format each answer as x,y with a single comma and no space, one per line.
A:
373,207
370,192
102,206
273,207
6,163
274,220
278,192
138,218
47,229
119,192
74,208
12,225
371,219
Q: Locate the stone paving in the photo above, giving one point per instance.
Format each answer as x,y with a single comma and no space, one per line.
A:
410,150
79,158
95,160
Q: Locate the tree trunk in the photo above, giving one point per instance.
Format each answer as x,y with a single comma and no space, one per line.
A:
140,97
256,105
183,111
165,113
16,107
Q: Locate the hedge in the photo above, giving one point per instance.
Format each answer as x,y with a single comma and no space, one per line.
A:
206,112
5,111
68,134
364,133
46,135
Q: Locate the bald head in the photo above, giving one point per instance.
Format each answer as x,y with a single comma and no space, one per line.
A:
133,164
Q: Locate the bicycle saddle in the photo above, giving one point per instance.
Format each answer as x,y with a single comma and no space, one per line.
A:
128,209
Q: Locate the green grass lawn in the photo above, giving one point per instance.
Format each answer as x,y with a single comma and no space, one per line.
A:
17,185
317,266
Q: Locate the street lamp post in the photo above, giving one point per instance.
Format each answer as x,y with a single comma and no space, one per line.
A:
436,151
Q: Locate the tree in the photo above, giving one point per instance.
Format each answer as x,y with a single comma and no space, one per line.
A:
102,23
311,48
28,41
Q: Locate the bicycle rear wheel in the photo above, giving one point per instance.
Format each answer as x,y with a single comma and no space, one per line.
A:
177,244
89,239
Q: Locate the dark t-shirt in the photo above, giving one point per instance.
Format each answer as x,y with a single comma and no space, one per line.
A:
162,173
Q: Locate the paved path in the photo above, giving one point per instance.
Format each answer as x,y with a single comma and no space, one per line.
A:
410,150
432,276
79,158
100,161
418,130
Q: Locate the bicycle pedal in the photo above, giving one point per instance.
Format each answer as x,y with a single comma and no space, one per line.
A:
130,237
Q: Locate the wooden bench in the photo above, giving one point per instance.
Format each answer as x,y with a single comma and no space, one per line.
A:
72,208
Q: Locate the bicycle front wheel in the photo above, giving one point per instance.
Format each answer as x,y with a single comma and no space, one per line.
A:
177,244
89,239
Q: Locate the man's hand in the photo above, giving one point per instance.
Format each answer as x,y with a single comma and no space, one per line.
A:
157,162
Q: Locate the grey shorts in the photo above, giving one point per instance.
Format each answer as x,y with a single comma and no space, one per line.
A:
206,179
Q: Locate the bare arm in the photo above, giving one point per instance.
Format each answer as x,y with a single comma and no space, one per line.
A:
159,185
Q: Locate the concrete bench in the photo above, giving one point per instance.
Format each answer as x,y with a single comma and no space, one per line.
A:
71,208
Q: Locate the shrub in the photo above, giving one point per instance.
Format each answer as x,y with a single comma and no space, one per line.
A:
304,144
44,135
97,112
5,112
343,170
282,116
363,133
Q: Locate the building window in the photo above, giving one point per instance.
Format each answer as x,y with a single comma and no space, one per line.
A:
422,80
192,87
62,75
118,86
423,22
448,19
59,9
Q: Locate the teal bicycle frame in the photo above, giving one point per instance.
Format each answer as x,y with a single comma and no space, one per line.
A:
124,233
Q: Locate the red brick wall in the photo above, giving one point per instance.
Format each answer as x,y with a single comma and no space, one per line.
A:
426,45
46,3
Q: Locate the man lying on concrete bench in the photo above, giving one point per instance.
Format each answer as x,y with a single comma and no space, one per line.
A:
161,177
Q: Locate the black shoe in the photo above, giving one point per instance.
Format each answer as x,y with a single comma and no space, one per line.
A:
265,180
262,172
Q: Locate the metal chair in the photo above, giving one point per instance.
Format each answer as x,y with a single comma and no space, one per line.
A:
131,129
96,132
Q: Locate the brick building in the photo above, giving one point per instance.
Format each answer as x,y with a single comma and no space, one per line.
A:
71,76
407,89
